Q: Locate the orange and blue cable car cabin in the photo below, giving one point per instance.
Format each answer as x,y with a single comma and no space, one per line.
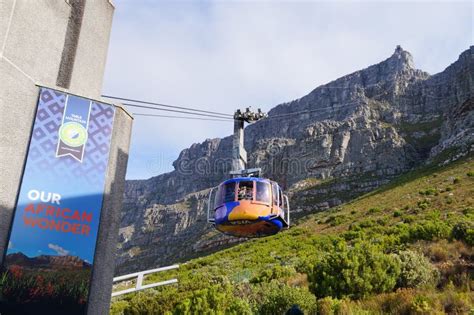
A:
249,207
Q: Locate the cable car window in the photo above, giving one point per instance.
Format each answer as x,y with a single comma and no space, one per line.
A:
275,193
218,197
229,192
263,192
245,190
280,197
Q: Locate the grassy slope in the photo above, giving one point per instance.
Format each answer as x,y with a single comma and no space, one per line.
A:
417,211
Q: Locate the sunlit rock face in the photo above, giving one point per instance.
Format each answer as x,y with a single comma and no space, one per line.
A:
341,140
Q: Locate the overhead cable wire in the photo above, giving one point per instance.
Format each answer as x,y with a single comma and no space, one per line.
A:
166,105
177,111
182,117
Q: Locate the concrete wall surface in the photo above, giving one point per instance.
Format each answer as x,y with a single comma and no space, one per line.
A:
34,37
92,49
18,97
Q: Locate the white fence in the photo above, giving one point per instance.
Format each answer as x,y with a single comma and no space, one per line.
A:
139,278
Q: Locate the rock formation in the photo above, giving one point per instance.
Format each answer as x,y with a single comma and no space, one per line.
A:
344,138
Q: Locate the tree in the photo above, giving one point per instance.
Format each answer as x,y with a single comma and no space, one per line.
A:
354,272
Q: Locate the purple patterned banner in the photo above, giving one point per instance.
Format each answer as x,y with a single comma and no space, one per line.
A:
47,267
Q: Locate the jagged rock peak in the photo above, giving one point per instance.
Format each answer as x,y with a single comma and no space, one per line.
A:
401,59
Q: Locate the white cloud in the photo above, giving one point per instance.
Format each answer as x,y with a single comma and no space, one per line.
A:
10,245
58,249
224,55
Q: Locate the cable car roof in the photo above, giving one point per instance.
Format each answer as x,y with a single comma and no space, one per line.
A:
241,179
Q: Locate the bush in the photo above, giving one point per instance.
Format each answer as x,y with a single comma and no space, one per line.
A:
328,306
415,270
397,213
464,231
468,211
239,307
277,272
354,272
423,204
408,218
374,210
204,301
277,298
143,304
428,192
119,307
429,230
352,235
335,220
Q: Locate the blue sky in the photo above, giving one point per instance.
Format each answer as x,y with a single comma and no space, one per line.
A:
222,55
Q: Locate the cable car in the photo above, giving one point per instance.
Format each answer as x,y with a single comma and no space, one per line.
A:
248,207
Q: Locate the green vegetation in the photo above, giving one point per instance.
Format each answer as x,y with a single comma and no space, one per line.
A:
406,248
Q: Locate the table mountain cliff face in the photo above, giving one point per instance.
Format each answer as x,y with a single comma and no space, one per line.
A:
341,140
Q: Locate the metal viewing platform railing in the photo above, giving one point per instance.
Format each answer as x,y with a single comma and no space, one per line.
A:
139,278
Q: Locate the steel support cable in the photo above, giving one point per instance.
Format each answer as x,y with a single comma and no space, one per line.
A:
166,105
183,117
177,111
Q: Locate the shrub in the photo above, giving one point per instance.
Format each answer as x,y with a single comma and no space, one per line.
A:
470,174
374,210
205,301
464,231
468,211
415,270
277,272
354,272
428,192
334,220
367,223
277,298
397,213
328,306
408,218
143,303
119,307
399,302
438,252
352,235
423,204
382,221
429,230
421,305
239,307
456,302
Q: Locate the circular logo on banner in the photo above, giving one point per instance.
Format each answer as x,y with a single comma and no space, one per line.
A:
73,134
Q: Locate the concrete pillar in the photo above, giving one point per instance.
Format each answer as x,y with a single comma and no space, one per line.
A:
34,41
239,155
104,259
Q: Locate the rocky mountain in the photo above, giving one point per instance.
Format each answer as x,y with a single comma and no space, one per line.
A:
343,139
47,261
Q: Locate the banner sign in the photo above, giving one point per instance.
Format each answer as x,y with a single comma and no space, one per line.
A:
47,267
